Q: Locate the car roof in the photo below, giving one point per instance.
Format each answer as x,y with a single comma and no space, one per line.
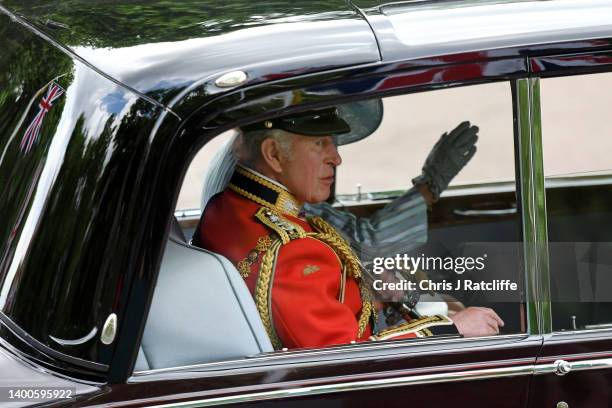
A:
163,48
417,29
170,50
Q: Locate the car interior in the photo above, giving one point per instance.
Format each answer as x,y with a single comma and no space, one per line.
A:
480,210
178,330
184,294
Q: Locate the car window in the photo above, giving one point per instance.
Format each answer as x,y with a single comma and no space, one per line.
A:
413,124
476,216
417,262
577,140
191,193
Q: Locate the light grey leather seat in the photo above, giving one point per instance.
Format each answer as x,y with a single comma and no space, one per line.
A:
201,311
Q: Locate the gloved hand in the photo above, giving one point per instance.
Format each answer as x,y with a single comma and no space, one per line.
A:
448,157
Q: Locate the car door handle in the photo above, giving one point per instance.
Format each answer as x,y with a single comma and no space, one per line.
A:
562,367
486,213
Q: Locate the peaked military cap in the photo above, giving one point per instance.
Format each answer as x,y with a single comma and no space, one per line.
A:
348,122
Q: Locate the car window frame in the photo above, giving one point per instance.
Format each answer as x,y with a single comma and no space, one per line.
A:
386,72
556,66
527,126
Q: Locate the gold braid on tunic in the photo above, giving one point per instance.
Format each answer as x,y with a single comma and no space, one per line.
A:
287,231
331,237
263,292
276,200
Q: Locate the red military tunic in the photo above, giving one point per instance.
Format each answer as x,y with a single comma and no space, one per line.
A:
303,292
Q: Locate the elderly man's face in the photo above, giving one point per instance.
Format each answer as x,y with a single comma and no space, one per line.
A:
309,172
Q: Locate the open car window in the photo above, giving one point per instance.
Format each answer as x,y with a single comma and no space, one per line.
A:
413,124
417,261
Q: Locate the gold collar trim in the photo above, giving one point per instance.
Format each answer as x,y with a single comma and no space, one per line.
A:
259,189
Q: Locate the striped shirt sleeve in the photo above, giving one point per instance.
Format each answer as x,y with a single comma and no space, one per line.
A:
397,228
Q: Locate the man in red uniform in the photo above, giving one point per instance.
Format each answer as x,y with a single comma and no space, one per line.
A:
305,279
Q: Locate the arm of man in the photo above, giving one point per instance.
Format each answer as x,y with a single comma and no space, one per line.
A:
402,224
397,228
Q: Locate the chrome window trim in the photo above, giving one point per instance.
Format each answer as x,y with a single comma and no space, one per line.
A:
576,357
587,180
525,369
466,375
336,352
362,385
578,365
599,331
533,203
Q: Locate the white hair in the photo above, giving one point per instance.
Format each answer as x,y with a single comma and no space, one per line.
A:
247,146
242,149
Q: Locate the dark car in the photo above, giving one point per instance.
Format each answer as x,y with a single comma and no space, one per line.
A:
104,105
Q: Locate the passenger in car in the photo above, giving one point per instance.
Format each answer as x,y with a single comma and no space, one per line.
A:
306,280
399,227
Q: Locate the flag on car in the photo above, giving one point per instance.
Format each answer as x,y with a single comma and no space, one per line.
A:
31,134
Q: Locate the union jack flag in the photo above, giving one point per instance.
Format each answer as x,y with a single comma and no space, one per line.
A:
31,134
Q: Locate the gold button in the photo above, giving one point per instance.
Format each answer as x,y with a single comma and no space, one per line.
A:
252,256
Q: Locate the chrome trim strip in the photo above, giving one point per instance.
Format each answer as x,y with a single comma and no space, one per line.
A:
188,213
26,338
468,375
597,178
75,342
339,352
576,357
600,326
586,331
476,189
533,202
580,365
485,213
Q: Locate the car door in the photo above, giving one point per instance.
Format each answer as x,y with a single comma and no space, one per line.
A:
421,372
574,368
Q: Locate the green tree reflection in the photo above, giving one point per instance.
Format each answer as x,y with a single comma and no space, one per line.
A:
113,23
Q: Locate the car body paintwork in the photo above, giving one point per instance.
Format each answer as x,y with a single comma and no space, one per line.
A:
87,214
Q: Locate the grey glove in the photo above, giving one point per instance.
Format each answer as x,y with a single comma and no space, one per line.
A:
448,157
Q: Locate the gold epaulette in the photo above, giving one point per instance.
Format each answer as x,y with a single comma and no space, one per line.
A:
420,327
285,229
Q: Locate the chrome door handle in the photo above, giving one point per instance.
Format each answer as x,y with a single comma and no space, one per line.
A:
562,367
